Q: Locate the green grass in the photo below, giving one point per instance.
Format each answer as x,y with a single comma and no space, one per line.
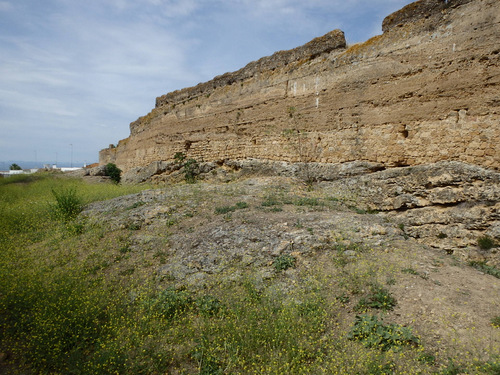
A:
483,267
79,298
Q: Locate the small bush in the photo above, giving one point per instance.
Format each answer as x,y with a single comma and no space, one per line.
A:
485,242
375,334
114,172
68,205
284,262
191,170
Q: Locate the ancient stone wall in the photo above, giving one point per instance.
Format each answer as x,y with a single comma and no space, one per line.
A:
426,90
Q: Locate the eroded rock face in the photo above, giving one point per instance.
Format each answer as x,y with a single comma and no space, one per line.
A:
426,90
421,10
448,204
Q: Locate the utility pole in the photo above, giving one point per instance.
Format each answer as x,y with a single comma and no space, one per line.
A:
71,144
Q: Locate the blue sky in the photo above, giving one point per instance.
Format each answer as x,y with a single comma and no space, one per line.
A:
78,72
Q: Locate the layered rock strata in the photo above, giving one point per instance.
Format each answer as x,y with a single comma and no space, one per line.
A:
426,90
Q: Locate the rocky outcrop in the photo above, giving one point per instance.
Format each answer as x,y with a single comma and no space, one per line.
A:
420,11
447,205
426,90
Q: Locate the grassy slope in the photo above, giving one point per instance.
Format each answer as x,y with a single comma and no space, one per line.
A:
75,299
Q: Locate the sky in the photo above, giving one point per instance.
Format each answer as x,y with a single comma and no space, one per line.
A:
74,74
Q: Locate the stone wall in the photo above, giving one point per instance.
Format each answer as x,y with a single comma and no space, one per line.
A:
426,90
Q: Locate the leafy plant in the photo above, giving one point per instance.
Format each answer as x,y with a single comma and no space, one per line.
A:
373,333
179,157
15,167
191,170
451,369
495,322
169,303
191,167
208,305
379,298
68,205
284,262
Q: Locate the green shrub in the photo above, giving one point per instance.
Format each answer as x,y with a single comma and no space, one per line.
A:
191,167
284,262
375,334
485,242
68,205
191,170
114,172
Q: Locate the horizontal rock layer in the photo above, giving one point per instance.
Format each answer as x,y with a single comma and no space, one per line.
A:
426,90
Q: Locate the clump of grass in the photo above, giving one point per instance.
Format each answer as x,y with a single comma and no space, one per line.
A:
241,205
136,204
373,333
284,262
270,201
313,202
222,210
410,271
68,204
